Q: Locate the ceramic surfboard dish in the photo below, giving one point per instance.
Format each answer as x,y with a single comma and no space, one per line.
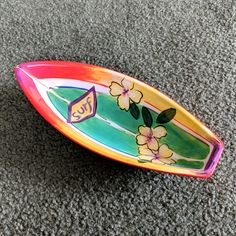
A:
120,117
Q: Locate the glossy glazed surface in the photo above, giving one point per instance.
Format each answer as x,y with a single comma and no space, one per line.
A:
120,117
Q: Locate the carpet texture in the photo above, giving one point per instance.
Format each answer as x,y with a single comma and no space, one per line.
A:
51,186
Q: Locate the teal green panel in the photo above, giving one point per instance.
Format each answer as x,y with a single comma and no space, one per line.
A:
178,140
98,129
107,107
184,143
109,135
189,164
60,105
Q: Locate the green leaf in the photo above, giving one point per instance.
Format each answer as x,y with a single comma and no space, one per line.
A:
134,111
166,116
147,117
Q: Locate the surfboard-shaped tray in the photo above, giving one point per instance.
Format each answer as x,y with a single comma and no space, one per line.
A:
120,117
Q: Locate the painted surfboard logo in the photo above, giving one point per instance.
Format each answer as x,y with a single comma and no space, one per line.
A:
83,107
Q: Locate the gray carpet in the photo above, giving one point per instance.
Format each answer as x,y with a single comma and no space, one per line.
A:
51,186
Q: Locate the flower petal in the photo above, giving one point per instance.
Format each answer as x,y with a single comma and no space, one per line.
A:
127,84
159,131
143,157
153,144
144,150
135,95
116,89
156,161
141,139
164,151
167,160
146,131
123,102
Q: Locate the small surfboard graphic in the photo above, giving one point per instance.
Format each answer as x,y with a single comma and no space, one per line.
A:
120,117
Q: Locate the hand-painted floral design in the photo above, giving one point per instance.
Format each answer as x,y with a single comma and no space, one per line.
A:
125,93
161,156
149,136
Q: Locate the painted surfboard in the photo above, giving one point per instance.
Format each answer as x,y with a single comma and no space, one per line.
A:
120,117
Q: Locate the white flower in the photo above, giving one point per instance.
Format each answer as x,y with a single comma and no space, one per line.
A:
162,155
125,93
148,136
